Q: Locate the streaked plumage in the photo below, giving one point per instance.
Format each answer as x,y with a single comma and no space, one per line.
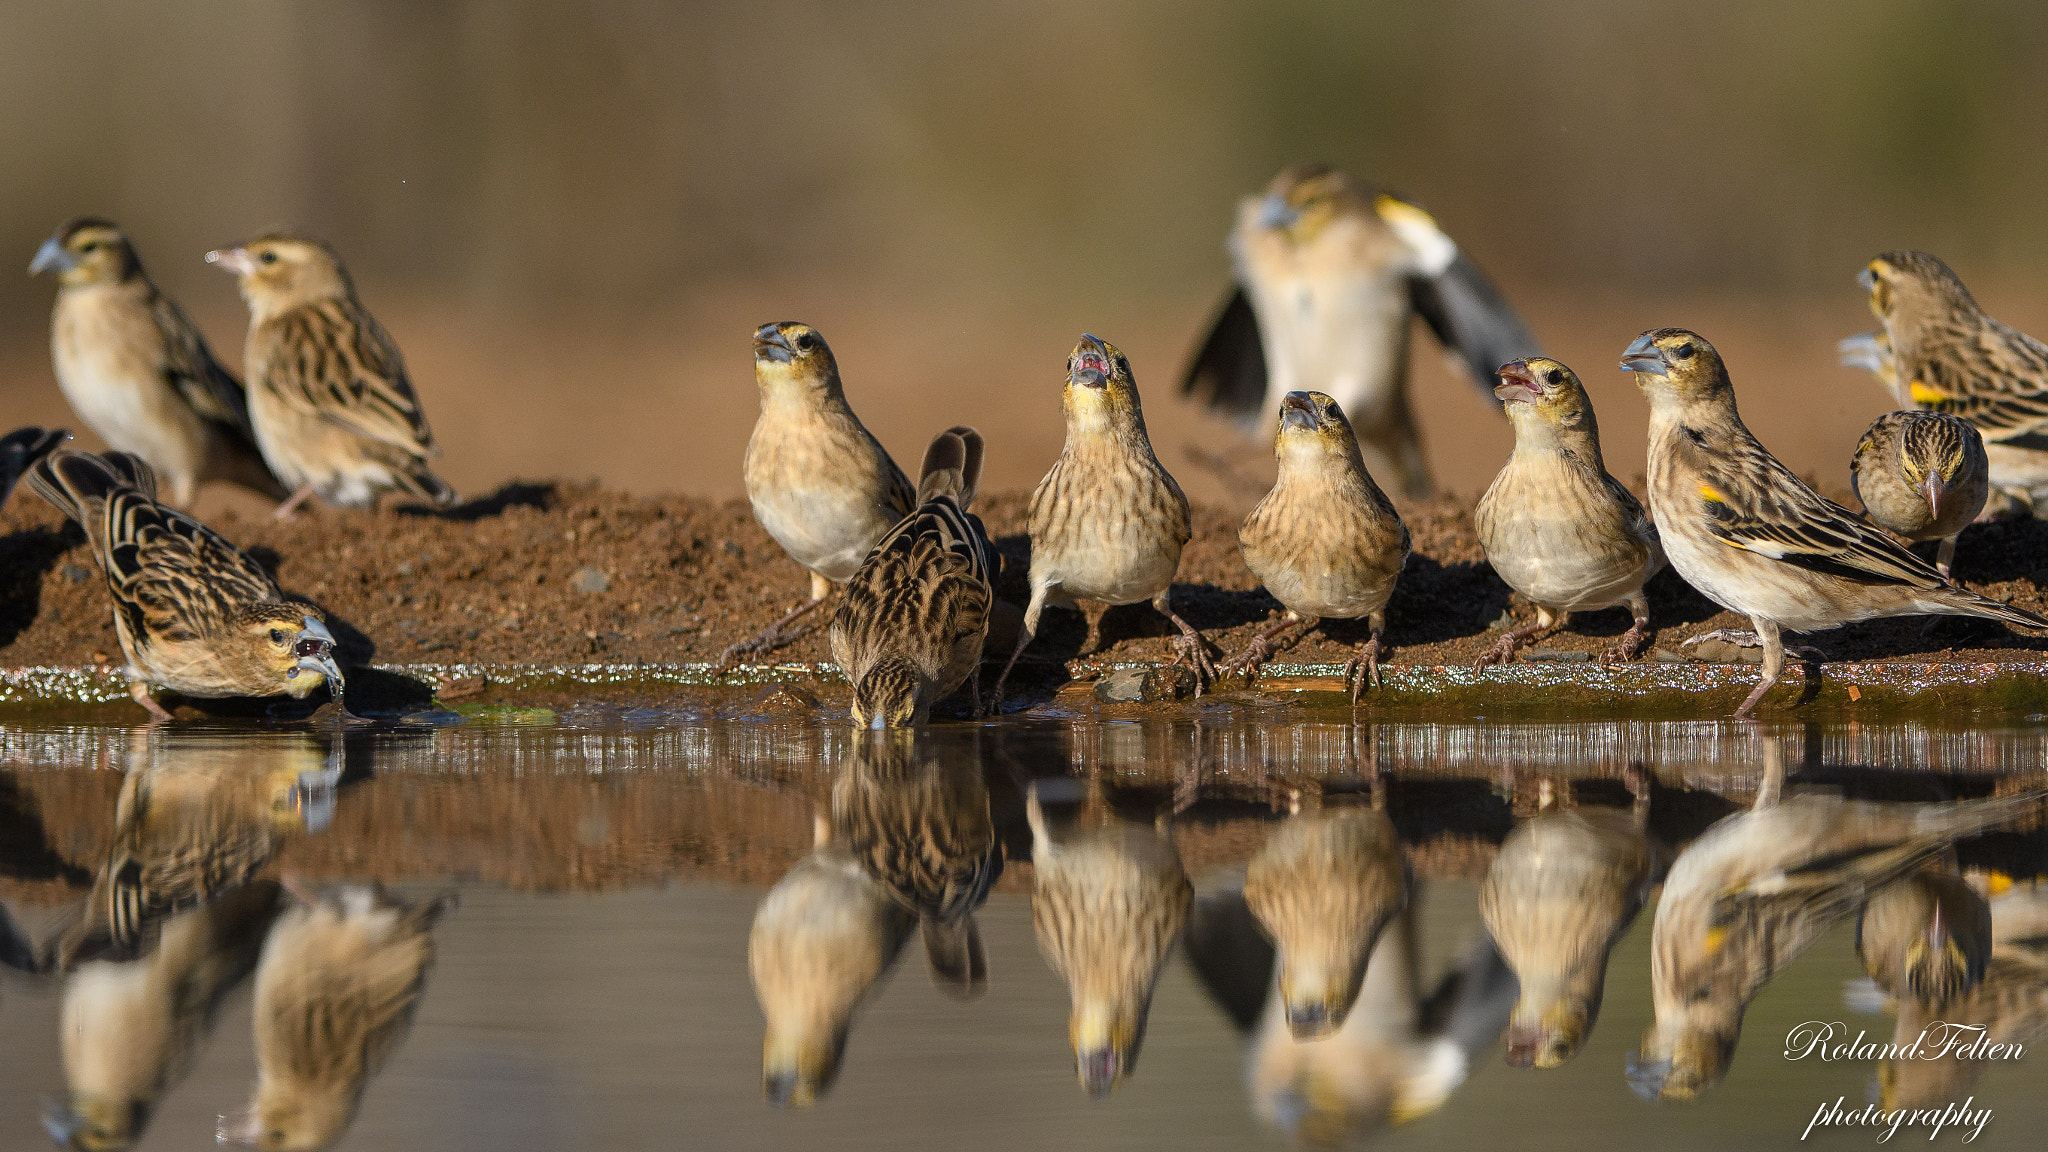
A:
1922,475
1107,903
329,398
911,626
1555,526
1108,522
1926,937
138,372
1330,274
1751,536
340,978
1326,542
820,484
1558,896
193,612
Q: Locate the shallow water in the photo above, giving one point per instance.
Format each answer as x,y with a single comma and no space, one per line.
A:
593,987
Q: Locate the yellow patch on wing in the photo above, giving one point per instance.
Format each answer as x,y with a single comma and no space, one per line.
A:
1709,492
1715,938
1922,394
1400,212
1997,882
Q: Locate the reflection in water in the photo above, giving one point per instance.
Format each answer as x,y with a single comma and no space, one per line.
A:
341,975
1925,938
1108,900
1563,888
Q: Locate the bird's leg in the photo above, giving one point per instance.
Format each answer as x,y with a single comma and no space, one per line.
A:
1944,557
1639,782
291,504
1364,665
140,691
1092,646
1631,643
1740,637
1262,647
974,693
1774,664
1503,649
1024,634
1188,646
772,637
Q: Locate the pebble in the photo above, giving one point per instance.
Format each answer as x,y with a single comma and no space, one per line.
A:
590,581
1669,656
76,573
1722,652
1145,685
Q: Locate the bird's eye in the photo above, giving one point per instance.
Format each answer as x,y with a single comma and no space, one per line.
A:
277,635
92,246
806,342
1123,365
1683,351
1553,377
268,257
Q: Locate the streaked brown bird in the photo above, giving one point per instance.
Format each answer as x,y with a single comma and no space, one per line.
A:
1330,273
1949,355
138,372
819,482
1326,542
1927,937
1922,476
910,629
1108,901
340,978
1752,536
1555,526
193,612
1108,522
329,398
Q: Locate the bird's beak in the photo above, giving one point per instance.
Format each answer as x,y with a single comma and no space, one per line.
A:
315,650
1934,488
771,344
236,260
1646,1077
52,257
1276,212
1090,365
1517,384
1298,411
1644,356
1521,1045
60,1122
1867,278
243,1128
1098,1071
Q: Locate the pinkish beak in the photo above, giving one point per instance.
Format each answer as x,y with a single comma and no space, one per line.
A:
236,260
1933,488
1517,384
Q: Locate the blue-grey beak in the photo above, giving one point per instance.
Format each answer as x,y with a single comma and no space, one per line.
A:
51,257
1276,212
1644,356
61,1123
1867,278
1646,1077
315,650
771,344
1298,411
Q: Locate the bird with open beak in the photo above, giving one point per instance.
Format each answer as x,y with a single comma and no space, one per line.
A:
1108,522
1326,542
1922,476
1753,537
194,613
1555,526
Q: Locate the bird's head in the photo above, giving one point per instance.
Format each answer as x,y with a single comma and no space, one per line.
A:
280,271
1681,1063
1934,451
1100,388
791,360
88,250
1319,981
798,1070
1540,392
1676,367
1106,1033
1312,426
1303,200
1553,1040
290,646
95,1123
888,696
1906,284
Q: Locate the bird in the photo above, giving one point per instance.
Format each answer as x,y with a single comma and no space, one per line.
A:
1751,536
1329,272
1922,476
910,627
194,613
1947,354
1555,526
1108,902
820,484
138,371
131,1029
1323,887
821,940
339,981
329,399
914,813
1927,937
1326,542
1564,887
19,451
1755,889
1107,523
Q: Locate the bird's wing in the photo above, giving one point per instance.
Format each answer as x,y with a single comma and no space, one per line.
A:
1799,903
1991,375
1230,954
1462,307
1228,373
332,360
172,576
210,389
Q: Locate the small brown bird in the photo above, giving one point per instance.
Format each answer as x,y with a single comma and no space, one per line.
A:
340,978
1108,522
1949,355
1330,273
1554,524
332,407
1922,475
911,626
19,451
821,485
194,613
1927,937
1751,536
1107,903
138,372
1326,542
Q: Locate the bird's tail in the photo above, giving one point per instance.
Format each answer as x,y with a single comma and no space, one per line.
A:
1959,601
70,479
953,947
1957,820
19,451
952,466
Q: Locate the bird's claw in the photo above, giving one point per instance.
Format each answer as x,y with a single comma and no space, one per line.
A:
1189,649
1502,652
1740,637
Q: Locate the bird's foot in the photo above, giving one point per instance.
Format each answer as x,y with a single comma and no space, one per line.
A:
1502,652
1363,666
1627,648
1263,647
775,636
1188,649
139,691
1740,637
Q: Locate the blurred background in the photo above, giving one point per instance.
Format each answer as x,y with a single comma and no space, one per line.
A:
572,217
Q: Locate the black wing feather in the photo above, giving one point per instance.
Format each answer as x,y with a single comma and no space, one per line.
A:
1471,318
1229,371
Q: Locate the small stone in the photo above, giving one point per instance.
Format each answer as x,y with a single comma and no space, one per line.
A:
77,573
1722,652
1556,656
732,549
782,700
1668,656
1150,685
590,581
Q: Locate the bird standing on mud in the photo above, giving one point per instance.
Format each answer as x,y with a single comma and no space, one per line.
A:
1554,524
1751,536
193,612
1326,542
911,626
1923,476
332,407
1108,522
138,372
1330,272
820,484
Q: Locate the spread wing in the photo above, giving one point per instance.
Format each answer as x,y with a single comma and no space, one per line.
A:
1464,310
1228,373
1991,375
331,359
